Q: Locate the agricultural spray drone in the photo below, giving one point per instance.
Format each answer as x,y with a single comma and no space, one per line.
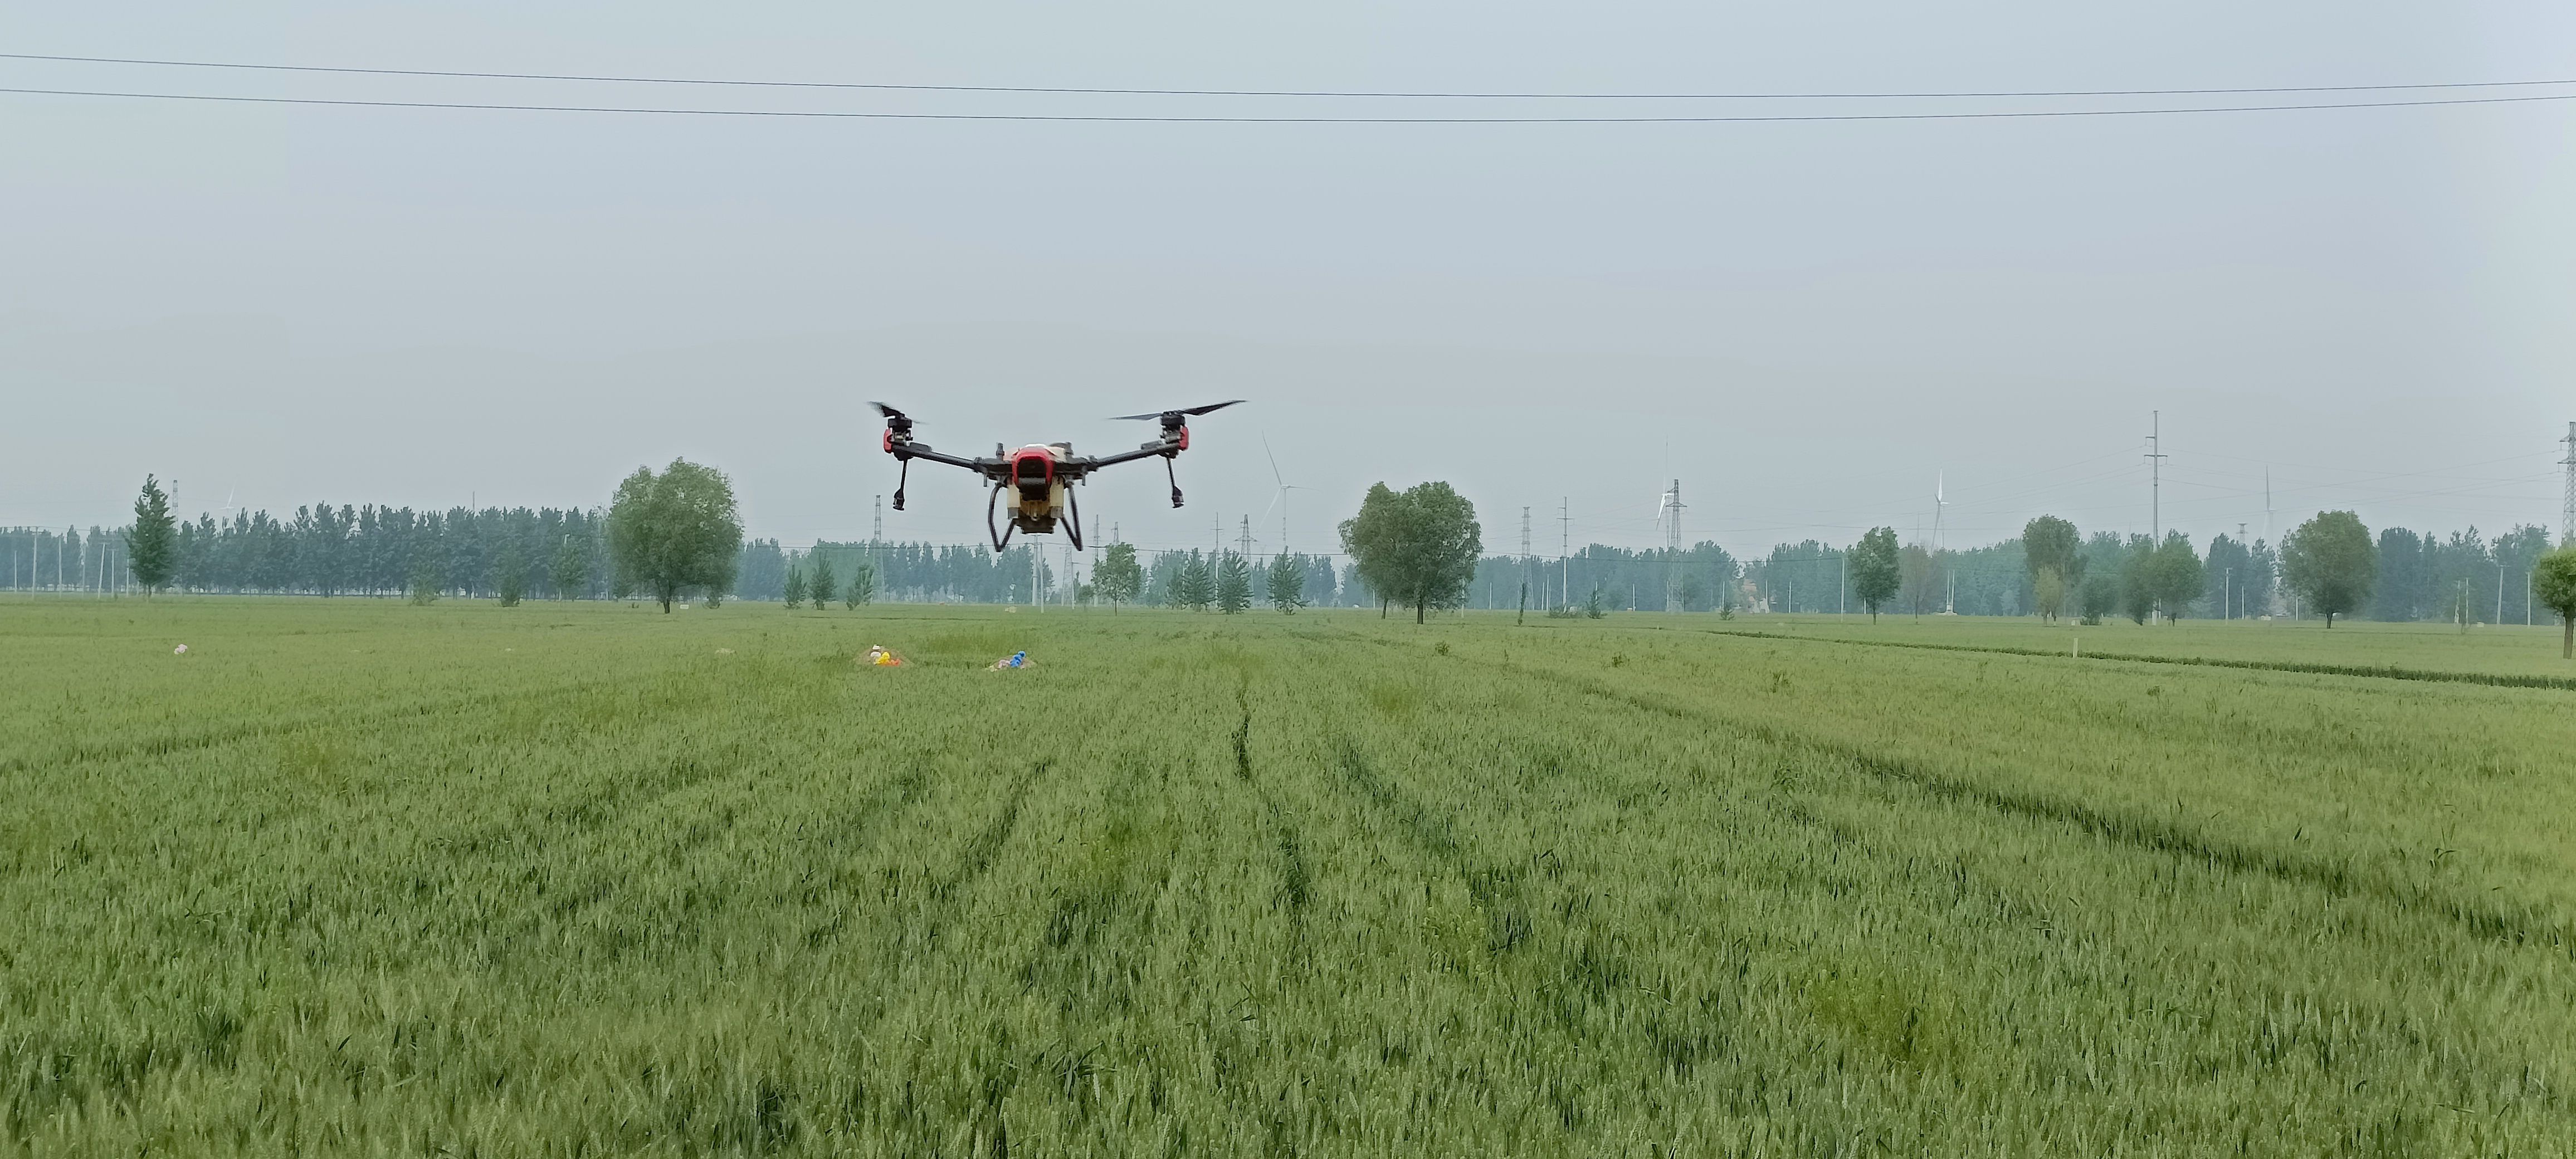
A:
1040,476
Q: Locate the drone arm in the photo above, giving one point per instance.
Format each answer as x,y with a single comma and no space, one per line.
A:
1148,451
909,451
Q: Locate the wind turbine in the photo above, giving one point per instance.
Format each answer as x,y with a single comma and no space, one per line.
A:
1279,498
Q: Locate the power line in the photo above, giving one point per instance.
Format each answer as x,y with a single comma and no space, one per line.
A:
1106,118
1062,90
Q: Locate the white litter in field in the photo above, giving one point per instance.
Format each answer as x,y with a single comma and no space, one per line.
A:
724,651
181,650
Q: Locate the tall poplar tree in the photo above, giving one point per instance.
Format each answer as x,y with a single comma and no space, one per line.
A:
822,584
571,569
151,547
1287,583
863,586
1233,584
1193,587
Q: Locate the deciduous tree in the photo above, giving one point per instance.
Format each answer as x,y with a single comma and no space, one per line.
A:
2175,572
2052,546
1117,577
1874,577
2098,597
2047,593
676,531
796,585
2553,584
1919,575
2328,561
1416,547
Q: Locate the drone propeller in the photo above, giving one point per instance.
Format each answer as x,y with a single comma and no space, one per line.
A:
888,411
1171,417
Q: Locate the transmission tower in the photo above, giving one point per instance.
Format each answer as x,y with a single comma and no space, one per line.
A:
2156,480
1245,539
1671,511
2567,509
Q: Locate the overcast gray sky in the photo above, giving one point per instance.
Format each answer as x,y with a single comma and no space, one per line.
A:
1805,322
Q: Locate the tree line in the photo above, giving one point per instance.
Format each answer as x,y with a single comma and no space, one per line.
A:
1418,548
329,550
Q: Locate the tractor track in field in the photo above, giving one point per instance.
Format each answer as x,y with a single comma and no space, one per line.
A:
975,859
1580,980
880,803
168,743
2526,927
2388,672
1296,882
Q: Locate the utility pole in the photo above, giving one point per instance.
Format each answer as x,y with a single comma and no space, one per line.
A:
1525,563
1672,511
1564,543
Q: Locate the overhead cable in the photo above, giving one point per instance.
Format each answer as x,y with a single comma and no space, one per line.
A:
821,114
1397,94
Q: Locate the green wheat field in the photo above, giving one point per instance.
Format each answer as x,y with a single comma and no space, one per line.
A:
352,877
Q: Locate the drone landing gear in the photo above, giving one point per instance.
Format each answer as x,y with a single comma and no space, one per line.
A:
1175,479
1073,509
1001,538
902,480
